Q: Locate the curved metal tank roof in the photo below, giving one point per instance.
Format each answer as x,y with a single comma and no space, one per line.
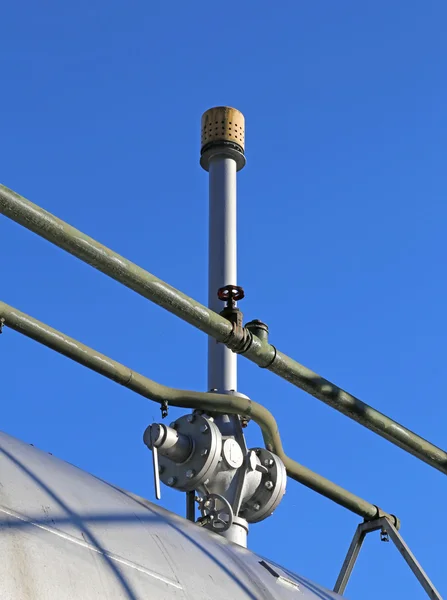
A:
67,535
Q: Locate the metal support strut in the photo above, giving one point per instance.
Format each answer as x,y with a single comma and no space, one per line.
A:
387,530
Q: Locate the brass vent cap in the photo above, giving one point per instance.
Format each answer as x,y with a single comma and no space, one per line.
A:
223,126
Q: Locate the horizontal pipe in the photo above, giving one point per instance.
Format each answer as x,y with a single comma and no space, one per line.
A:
211,402
110,263
68,238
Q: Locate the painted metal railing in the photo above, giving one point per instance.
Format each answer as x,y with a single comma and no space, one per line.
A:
241,340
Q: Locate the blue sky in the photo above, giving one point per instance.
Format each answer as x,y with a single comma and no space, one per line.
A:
342,249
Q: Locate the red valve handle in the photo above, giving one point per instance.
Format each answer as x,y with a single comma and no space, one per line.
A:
230,292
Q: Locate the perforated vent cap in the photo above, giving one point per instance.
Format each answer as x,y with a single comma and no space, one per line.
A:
223,124
222,132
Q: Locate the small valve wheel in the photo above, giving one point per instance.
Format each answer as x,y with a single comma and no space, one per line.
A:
230,294
217,511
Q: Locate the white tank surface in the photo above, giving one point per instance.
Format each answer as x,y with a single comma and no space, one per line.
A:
67,535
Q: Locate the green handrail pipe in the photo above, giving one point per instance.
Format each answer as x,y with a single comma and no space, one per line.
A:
46,225
210,402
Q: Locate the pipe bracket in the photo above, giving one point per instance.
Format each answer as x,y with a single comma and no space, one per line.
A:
239,340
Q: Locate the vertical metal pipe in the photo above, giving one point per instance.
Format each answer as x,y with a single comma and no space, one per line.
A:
222,155
238,532
222,265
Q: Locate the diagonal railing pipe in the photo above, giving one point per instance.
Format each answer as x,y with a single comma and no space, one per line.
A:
46,225
211,402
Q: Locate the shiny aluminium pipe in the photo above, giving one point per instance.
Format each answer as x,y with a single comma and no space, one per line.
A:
210,402
222,264
259,351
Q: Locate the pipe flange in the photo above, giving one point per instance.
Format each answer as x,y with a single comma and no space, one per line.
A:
222,149
203,460
270,491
